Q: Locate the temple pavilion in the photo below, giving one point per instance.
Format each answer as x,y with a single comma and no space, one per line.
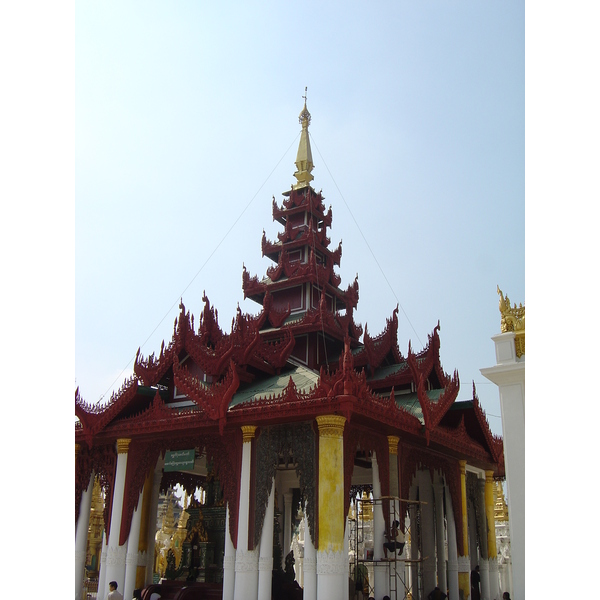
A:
296,412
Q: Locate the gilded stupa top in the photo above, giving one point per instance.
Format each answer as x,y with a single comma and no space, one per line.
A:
500,507
512,319
304,162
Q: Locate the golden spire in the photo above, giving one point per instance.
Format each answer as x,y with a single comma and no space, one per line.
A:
513,319
304,162
500,507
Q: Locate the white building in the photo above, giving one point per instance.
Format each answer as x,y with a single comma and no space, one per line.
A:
509,375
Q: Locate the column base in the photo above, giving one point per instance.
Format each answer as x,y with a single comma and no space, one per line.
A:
331,576
246,575
464,577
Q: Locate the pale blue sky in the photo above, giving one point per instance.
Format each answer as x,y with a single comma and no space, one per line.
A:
187,116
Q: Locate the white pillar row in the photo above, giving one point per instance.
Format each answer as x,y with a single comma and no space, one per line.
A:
287,524
102,587
228,561
265,561
81,535
152,515
246,561
452,548
440,538
310,564
427,531
131,558
484,571
382,583
115,556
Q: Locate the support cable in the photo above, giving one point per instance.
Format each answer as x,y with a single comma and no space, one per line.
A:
365,240
203,265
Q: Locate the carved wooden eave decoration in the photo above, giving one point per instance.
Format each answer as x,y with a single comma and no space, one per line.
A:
214,400
494,442
93,418
102,461
212,350
345,391
376,349
459,440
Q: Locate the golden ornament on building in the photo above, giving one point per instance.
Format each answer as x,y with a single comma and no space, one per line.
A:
513,319
500,507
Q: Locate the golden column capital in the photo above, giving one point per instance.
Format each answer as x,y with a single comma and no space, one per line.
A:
393,444
248,433
123,445
77,449
489,477
463,466
331,425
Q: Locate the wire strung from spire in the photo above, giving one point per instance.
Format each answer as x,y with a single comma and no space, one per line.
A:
365,240
179,296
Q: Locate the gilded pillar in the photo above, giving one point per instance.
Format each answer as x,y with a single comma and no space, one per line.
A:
464,567
330,550
491,533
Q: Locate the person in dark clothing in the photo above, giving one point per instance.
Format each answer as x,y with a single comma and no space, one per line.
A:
475,581
436,594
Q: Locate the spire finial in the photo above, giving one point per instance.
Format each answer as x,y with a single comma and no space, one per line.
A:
304,161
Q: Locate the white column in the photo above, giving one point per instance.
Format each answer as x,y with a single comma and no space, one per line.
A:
81,535
347,550
102,587
133,542
438,491
115,556
265,562
228,561
494,579
452,548
310,564
509,375
153,513
382,584
287,524
246,561
427,531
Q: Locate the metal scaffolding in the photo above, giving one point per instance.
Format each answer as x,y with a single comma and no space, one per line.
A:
403,569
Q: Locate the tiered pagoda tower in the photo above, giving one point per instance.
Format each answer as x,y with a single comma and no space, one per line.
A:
301,290
295,401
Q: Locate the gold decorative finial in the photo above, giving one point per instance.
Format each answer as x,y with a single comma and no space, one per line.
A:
304,162
513,319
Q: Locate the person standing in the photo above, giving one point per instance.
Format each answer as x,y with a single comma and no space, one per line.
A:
475,584
113,594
